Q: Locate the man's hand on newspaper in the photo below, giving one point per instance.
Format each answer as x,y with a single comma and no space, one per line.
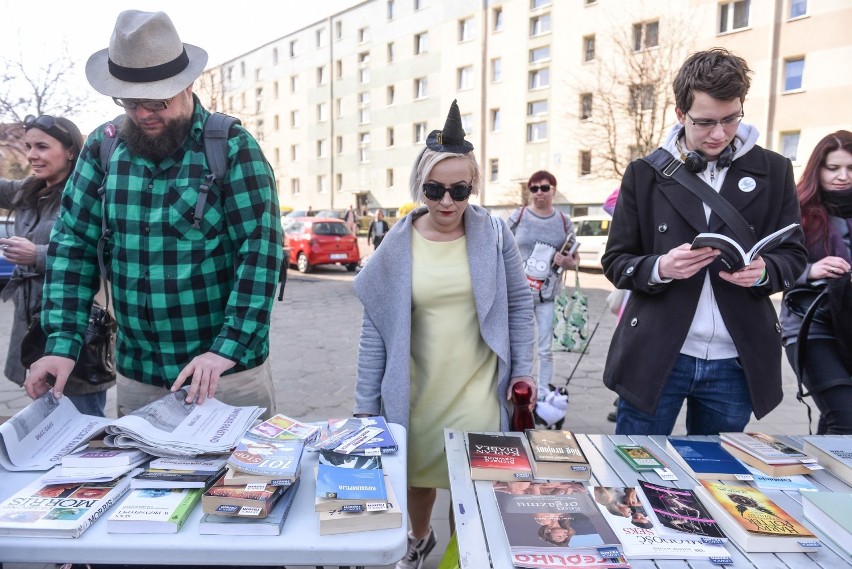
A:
59,367
205,371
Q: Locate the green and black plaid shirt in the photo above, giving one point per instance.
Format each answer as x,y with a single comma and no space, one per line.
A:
177,291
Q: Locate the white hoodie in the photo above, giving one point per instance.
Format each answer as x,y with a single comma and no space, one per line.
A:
708,337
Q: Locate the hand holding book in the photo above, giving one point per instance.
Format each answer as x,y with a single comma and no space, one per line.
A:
733,256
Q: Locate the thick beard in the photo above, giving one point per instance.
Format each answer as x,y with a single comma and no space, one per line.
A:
156,148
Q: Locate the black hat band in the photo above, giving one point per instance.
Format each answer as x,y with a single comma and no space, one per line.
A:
149,74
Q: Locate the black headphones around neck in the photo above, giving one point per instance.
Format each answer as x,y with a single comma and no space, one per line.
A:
696,162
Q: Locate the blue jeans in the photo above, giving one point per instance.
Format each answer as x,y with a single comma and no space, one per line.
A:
716,394
90,403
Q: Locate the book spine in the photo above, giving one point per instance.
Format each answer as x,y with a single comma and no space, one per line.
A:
109,500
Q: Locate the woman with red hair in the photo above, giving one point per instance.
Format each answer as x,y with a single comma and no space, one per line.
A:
825,198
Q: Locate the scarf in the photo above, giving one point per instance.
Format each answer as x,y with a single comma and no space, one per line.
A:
837,202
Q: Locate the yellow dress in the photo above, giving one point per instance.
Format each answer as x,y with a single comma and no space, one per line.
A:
453,371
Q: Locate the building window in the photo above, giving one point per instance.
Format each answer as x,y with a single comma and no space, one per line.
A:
466,29
390,136
274,56
539,25
793,71
419,4
294,49
338,68
733,15
391,52
276,122
229,74
258,100
277,155
294,83
364,75
363,116
585,162
294,119
586,106
496,69
364,147
420,132
338,30
242,69
321,78
641,98
364,98
589,48
790,145
322,184
389,177
391,9
363,35
497,19
391,93
464,77
294,186
322,112
421,88
646,35
540,54
536,131
495,120
537,108
493,169
294,152
338,144
364,58
320,37
338,107
540,3
338,182
467,123
421,43
275,89
322,148
798,8
242,100
539,78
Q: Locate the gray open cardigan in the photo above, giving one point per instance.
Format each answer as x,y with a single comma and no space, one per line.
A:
503,304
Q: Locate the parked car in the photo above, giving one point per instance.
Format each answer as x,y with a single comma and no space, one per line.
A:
7,229
321,241
332,213
592,232
298,213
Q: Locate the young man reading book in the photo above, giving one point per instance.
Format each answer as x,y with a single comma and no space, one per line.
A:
694,330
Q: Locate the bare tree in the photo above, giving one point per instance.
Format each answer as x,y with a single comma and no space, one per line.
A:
626,102
27,90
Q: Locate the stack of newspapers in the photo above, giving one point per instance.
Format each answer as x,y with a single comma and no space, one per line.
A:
38,436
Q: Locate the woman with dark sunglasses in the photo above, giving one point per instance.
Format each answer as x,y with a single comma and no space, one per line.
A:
448,323
52,146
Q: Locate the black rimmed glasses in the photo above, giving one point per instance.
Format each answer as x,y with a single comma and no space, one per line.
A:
152,105
435,191
709,124
49,125
544,188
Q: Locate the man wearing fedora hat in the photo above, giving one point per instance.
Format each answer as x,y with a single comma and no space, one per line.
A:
192,296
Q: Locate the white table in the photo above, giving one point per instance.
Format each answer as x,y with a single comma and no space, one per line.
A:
299,543
482,542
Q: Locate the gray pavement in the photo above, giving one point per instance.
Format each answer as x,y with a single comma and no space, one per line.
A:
314,341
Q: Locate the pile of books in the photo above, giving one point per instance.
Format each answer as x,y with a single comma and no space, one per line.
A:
353,492
834,454
768,454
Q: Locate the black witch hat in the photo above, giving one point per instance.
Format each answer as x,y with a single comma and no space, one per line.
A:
451,139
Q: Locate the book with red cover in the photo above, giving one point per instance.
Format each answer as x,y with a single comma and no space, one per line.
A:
498,456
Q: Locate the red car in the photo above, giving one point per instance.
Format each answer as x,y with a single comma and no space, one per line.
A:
321,241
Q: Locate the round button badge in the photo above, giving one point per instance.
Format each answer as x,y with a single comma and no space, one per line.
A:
747,184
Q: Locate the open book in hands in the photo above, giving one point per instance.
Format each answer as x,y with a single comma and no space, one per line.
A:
733,256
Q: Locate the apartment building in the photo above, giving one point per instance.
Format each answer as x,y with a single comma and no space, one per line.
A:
577,87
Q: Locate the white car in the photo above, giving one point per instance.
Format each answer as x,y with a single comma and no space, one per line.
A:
592,232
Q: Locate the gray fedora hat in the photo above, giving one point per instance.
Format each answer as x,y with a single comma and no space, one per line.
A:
145,59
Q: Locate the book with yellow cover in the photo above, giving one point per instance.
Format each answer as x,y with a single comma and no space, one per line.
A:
754,521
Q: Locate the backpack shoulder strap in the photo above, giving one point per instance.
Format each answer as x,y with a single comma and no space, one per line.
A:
497,225
110,141
215,141
512,228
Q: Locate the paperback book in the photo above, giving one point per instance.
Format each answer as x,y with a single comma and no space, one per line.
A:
59,510
831,512
751,519
766,468
766,448
238,525
342,521
379,441
795,483
236,501
638,457
677,511
200,464
162,478
557,456
237,478
283,428
706,460
498,456
834,453
154,510
553,520
352,483
103,457
639,536
277,460
733,255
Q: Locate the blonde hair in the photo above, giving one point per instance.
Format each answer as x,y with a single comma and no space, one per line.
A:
424,163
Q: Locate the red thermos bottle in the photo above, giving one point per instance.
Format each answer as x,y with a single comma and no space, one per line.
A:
522,417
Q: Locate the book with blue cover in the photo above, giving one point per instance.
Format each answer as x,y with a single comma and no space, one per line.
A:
276,459
352,483
366,436
706,460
